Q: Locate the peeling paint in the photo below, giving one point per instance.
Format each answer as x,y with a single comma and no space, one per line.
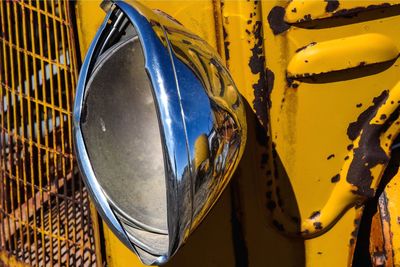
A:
335,178
306,46
349,13
315,215
276,20
226,44
318,225
331,5
263,87
369,152
355,128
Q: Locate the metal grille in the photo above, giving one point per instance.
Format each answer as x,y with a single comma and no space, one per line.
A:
44,208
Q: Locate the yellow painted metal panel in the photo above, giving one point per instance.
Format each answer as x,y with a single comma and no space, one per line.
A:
355,51
297,127
89,17
241,27
310,118
300,10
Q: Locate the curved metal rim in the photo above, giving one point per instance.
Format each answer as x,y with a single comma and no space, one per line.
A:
94,187
160,66
103,203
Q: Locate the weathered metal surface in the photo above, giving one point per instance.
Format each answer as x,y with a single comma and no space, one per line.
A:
302,11
319,128
381,221
44,208
355,51
380,240
329,127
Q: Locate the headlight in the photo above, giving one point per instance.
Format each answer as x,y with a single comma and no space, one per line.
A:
159,129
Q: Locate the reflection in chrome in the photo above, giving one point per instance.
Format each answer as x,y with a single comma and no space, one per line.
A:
159,129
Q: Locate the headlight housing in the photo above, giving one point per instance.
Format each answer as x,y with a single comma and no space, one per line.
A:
159,128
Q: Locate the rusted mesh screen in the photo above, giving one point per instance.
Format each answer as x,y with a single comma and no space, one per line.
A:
44,207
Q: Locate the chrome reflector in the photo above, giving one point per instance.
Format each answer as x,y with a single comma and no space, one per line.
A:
159,129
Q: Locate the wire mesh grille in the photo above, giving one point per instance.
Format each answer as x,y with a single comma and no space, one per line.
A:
44,207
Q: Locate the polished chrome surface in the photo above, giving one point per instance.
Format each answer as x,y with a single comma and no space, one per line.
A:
156,150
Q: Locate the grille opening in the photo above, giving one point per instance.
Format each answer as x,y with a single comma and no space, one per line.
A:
44,207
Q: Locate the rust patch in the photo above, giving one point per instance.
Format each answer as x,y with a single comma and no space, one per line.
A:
226,43
276,20
349,13
350,147
331,5
369,153
335,178
362,64
270,85
354,129
263,87
315,215
291,83
333,11
317,225
257,58
379,258
380,237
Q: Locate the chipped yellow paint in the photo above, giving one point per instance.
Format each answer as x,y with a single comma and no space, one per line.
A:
354,51
309,118
239,41
300,10
342,195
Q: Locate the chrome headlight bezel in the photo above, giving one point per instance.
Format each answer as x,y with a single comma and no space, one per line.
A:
187,76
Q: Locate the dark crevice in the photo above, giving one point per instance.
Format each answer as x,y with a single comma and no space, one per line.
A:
362,255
